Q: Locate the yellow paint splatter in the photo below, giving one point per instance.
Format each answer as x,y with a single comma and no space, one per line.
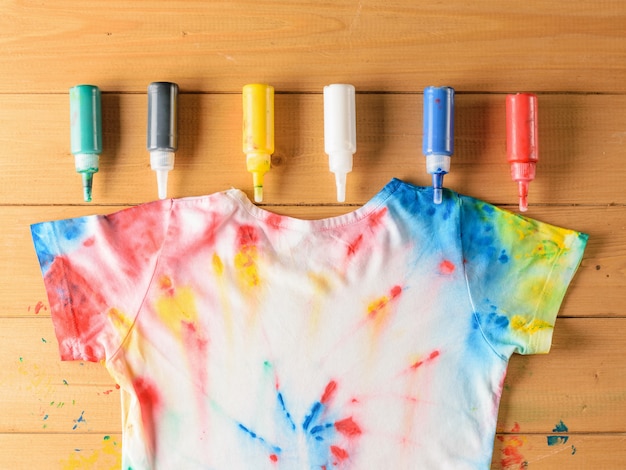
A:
120,321
246,266
379,309
175,309
218,266
108,456
523,325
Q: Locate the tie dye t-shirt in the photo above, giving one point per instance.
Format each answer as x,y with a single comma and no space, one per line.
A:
242,339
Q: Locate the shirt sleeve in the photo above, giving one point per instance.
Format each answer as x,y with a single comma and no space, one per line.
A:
96,272
517,271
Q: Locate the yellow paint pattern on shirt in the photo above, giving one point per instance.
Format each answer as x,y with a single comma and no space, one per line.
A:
120,321
246,266
177,308
523,325
218,266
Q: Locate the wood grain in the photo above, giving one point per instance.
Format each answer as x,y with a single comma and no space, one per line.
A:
393,45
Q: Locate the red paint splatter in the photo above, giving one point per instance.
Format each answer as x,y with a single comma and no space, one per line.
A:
376,218
89,242
39,307
339,453
348,427
274,458
150,403
274,221
374,221
432,356
247,236
330,389
166,285
446,267
353,246
395,292
196,348
512,458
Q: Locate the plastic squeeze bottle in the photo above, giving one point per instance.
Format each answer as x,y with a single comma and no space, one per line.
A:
258,132
339,132
438,138
162,130
521,141
86,133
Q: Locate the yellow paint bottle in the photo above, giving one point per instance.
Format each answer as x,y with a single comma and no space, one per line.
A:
258,132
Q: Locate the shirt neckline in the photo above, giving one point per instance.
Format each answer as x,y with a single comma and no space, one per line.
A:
325,223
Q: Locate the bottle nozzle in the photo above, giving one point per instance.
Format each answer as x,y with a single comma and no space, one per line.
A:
162,162
87,178
438,187
162,183
522,191
340,182
257,182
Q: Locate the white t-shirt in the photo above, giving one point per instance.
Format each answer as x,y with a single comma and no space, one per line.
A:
242,339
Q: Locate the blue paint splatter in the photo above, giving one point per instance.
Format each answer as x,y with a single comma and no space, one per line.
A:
283,407
555,440
255,436
315,409
81,419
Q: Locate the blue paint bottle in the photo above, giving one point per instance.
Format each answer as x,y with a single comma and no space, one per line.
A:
438,136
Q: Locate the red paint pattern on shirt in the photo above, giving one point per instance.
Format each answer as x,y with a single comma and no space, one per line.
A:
446,267
418,364
150,403
247,236
348,427
328,392
339,453
77,312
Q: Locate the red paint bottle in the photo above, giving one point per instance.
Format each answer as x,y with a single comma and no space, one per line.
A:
522,149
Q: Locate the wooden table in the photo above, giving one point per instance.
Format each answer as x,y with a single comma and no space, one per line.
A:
573,54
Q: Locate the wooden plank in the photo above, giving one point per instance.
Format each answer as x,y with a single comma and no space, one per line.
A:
598,289
511,452
390,45
582,382
582,150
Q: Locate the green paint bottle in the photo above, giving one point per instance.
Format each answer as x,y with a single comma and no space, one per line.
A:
86,133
